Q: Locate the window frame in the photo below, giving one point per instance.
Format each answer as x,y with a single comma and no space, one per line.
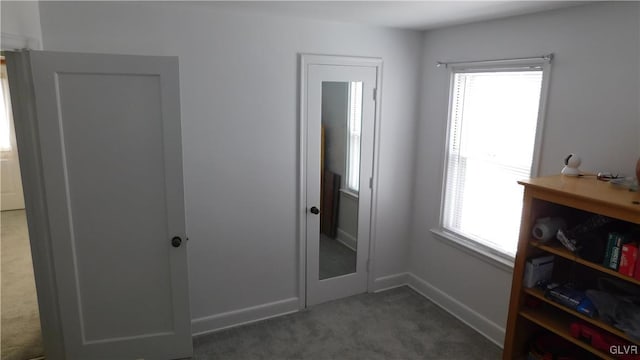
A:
493,255
6,99
350,169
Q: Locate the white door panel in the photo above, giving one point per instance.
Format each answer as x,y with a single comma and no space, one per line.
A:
113,137
351,279
110,140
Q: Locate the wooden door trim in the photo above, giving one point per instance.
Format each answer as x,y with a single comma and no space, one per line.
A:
305,60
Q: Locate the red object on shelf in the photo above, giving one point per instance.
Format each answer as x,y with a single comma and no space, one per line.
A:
636,272
605,342
628,259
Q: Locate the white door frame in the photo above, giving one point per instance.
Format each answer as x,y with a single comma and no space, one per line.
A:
315,59
36,209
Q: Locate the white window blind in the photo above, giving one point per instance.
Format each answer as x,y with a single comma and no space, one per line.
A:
5,122
492,134
354,127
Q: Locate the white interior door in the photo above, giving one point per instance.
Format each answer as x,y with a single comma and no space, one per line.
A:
109,140
11,196
340,117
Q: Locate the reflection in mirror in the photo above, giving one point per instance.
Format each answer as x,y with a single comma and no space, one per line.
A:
340,177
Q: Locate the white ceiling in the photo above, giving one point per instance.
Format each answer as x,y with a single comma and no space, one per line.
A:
419,15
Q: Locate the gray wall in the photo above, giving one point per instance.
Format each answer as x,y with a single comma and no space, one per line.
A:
239,94
592,110
21,18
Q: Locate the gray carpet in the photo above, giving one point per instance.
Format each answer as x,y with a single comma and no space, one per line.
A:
335,258
395,324
21,337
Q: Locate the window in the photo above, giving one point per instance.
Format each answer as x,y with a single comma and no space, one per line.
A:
5,111
493,125
354,126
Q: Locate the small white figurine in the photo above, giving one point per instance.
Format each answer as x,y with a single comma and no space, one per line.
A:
571,164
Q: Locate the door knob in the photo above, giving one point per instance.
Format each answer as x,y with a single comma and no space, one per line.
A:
176,241
314,210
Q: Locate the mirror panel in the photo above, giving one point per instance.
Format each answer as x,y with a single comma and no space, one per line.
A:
339,177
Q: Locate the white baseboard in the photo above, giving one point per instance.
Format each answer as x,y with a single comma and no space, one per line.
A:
390,282
347,239
470,317
492,331
248,315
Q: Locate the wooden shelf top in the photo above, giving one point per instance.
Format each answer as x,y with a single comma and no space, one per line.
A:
590,189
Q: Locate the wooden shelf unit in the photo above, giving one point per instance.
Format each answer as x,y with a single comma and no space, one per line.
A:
544,197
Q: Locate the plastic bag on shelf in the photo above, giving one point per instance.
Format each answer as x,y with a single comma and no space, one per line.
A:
617,311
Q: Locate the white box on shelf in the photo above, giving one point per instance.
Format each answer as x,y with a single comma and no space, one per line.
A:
538,269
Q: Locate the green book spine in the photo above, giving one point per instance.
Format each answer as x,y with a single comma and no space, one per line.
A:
610,243
616,251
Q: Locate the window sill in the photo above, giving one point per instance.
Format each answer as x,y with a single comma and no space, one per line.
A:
349,193
488,255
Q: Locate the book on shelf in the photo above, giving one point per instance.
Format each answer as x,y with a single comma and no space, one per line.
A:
636,271
614,250
565,295
607,254
628,259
